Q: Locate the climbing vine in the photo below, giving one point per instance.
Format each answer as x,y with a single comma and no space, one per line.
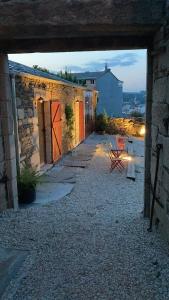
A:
69,119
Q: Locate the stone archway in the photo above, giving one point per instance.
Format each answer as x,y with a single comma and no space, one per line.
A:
87,25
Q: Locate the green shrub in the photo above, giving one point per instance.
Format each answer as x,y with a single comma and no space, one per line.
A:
112,128
69,120
27,178
102,121
69,113
137,115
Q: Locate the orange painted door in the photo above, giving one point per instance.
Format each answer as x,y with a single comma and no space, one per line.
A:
81,121
77,141
56,130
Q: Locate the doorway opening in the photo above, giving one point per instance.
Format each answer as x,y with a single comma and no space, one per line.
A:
104,82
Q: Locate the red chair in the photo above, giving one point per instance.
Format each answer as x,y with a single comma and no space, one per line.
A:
120,141
115,155
116,160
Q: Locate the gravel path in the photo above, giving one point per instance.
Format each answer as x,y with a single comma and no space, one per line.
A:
92,244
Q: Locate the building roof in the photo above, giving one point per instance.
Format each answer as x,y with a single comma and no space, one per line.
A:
20,68
88,75
93,75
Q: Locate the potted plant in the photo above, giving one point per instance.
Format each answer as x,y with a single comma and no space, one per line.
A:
101,123
27,181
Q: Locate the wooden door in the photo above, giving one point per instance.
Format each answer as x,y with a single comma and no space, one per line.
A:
81,122
77,123
56,130
42,140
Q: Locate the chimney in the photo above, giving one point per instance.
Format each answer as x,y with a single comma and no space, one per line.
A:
106,68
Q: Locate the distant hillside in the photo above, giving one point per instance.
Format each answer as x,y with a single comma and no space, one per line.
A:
133,98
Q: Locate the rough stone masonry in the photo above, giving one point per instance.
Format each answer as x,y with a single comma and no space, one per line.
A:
8,185
160,124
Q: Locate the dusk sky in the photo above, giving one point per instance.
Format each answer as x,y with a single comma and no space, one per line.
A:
129,66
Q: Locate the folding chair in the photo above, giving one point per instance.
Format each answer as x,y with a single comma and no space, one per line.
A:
115,157
116,161
120,141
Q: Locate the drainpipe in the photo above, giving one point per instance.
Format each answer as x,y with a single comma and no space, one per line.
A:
15,117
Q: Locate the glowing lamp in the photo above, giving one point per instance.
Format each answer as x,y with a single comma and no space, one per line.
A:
129,158
40,99
142,131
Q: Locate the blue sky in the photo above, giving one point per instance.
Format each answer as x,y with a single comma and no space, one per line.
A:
129,66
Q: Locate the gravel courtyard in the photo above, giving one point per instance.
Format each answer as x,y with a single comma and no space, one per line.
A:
92,244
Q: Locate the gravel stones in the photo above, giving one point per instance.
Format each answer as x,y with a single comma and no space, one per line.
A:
92,244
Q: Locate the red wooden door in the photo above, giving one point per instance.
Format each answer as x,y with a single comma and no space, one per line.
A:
81,121
56,130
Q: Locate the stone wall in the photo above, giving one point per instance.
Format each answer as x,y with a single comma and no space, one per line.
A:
26,119
126,126
28,91
160,126
8,183
83,25
3,188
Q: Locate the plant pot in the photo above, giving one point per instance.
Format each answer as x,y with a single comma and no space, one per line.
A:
26,195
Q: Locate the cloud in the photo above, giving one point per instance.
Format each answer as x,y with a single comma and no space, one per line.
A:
75,68
121,60
124,60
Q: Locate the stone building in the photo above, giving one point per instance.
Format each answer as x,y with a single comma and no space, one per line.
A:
42,134
110,90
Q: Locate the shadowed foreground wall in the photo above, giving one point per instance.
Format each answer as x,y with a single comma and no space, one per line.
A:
160,126
8,185
3,191
27,26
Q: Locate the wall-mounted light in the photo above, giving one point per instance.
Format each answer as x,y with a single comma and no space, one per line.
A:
40,99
